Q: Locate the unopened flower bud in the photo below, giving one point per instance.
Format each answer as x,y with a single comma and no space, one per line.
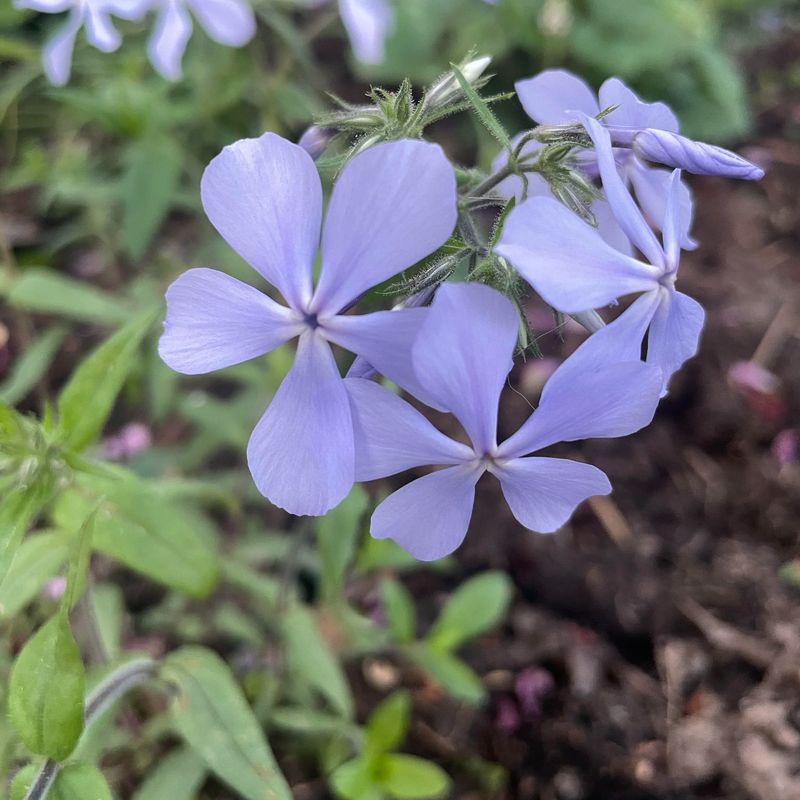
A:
315,140
674,150
447,88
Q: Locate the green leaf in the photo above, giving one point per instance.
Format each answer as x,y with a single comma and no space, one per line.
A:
452,674
485,114
178,776
337,538
412,778
108,607
148,187
46,291
212,715
310,656
80,782
86,401
22,782
387,725
169,542
354,780
303,721
399,608
39,558
46,688
79,562
475,607
29,368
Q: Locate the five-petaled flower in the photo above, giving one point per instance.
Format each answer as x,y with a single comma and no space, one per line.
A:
461,357
391,206
574,269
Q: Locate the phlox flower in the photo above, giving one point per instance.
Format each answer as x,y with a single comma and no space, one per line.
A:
228,22
461,358
392,205
94,16
574,269
553,97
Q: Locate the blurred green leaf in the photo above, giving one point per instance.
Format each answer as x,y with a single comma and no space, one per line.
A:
354,780
80,782
212,715
108,606
168,542
455,677
153,169
86,401
310,656
177,776
46,291
399,607
412,778
338,533
39,558
475,607
46,688
31,365
387,725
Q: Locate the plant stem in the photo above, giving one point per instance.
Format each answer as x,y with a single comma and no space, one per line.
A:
113,687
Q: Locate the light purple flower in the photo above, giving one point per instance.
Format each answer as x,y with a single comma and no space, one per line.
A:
94,16
391,206
229,22
461,357
650,129
555,96
573,269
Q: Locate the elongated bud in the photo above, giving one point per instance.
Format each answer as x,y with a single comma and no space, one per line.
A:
447,88
674,150
315,140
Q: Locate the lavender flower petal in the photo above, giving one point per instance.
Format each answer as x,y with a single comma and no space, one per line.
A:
463,355
368,23
549,97
429,517
672,230
587,399
265,198
384,339
391,436
392,205
544,492
633,112
301,453
625,209
674,333
651,186
215,321
566,260
699,158
57,53
229,22
167,43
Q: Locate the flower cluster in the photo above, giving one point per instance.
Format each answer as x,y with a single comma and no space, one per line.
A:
396,203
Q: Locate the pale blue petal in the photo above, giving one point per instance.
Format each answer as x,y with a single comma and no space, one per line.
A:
625,209
167,43
674,333
229,22
673,221
609,229
549,97
264,196
543,493
301,453
214,321
651,186
391,436
566,260
429,517
463,354
384,339
392,205
633,112
368,23
100,31
57,53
